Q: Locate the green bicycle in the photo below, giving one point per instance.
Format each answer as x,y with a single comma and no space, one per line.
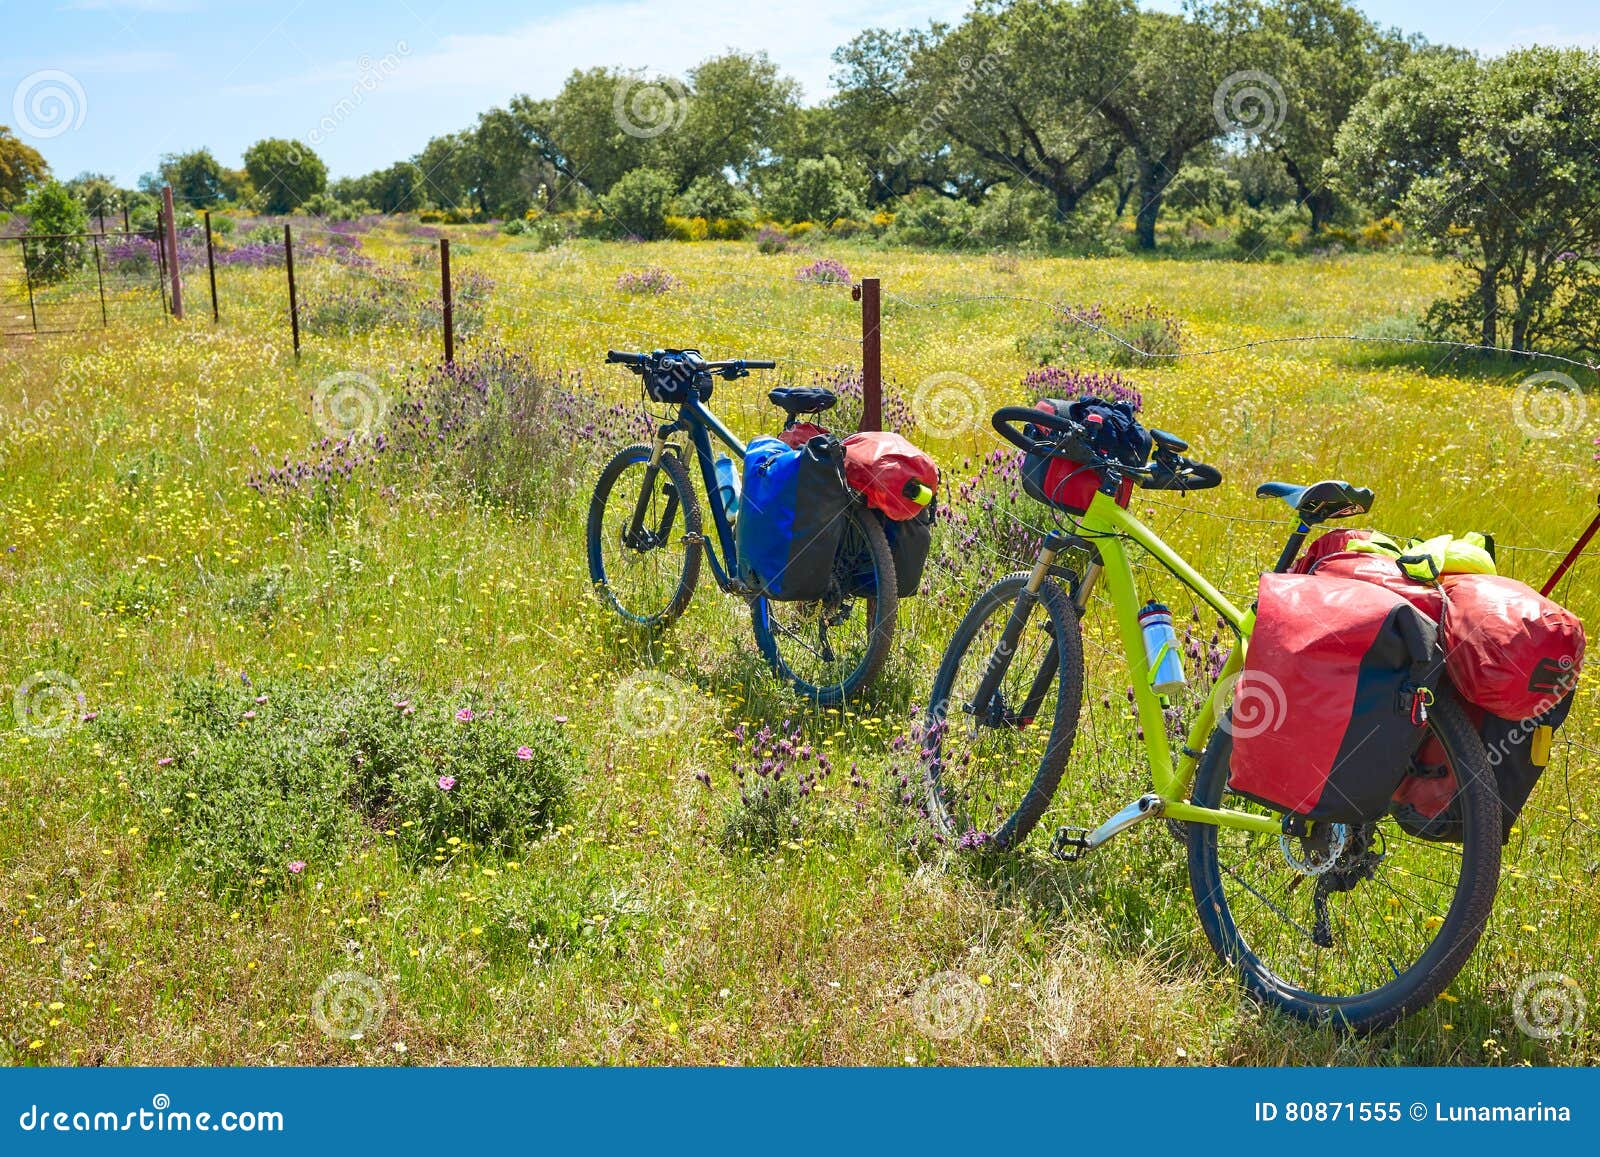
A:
1357,925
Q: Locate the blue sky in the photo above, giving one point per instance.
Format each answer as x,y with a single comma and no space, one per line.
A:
369,81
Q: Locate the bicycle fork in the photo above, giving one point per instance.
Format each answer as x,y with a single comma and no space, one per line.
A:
637,534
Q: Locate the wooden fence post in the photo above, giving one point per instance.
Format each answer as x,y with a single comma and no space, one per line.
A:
211,268
867,293
294,302
448,301
171,241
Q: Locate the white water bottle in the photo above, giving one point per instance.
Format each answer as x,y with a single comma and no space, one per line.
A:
728,485
1161,649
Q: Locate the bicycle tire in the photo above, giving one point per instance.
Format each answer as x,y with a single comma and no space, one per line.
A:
885,608
1064,625
1456,938
689,510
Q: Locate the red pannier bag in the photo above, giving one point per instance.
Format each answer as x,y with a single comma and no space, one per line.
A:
1330,706
800,433
882,467
1510,650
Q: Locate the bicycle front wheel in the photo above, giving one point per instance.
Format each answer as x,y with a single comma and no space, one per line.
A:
990,769
644,537
1376,934
830,650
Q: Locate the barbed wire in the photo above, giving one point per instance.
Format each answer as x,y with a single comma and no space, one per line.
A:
1160,355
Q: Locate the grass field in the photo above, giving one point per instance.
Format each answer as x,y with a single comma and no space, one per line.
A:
134,552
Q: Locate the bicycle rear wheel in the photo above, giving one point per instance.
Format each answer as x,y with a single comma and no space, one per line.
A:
990,770
830,650
647,576
1379,934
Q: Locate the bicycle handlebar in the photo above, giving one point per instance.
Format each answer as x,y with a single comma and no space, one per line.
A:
732,368
1167,470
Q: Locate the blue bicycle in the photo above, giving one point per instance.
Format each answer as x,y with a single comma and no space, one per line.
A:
646,537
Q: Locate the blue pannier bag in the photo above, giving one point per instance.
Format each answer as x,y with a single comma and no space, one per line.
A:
792,517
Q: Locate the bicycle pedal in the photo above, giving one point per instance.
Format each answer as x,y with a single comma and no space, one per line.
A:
1070,844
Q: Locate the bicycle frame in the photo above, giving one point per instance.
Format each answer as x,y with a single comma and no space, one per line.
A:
1107,525
700,424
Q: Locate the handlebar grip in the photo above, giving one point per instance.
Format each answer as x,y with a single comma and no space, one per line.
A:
626,359
761,364
1007,419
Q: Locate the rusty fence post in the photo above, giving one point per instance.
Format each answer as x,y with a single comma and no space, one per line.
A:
99,274
867,293
294,302
172,252
211,268
27,273
448,301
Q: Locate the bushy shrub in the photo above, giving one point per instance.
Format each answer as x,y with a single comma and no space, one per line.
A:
711,197
652,282
330,208
253,785
817,189
55,216
477,770
933,222
825,271
778,774
771,239
638,203
1128,335
1014,216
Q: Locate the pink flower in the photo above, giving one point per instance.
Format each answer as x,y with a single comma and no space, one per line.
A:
261,698
404,706
446,782
524,752
464,715
162,762
563,718
249,714
297,866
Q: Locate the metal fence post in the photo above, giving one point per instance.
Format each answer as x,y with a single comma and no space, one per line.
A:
294,302
99,275
172,252
448,302
27,273
867,293
211,267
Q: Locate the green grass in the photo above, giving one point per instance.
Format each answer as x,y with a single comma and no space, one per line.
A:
637,933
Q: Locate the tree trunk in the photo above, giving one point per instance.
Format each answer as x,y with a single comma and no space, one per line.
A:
1489,300
1151,188
1322,204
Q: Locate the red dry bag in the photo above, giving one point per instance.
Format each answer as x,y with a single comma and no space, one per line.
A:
1510,650
890,473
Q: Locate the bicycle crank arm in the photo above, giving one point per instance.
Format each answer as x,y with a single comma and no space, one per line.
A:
1072,844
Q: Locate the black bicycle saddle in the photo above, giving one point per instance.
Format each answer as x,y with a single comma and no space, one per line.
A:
1331,498
794,400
